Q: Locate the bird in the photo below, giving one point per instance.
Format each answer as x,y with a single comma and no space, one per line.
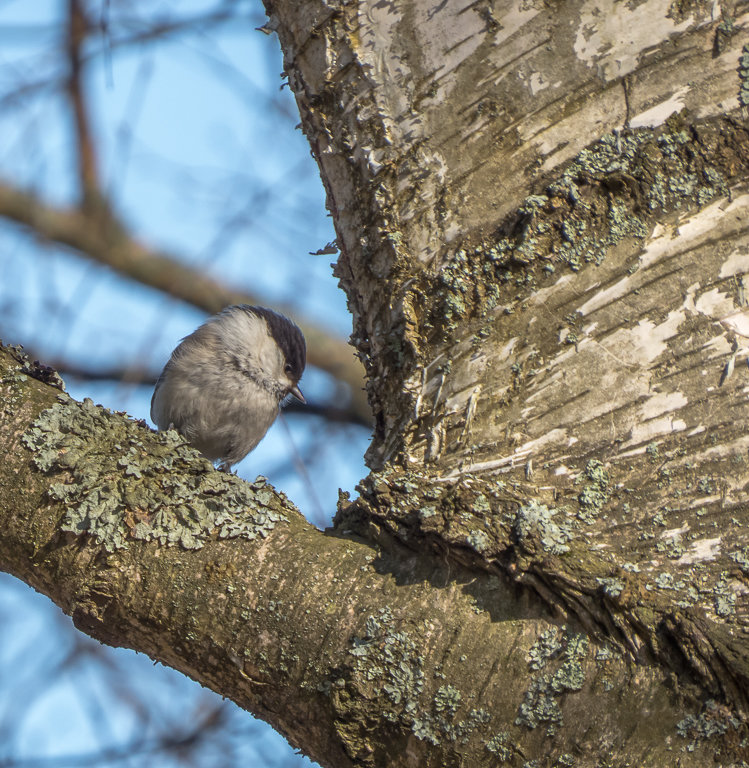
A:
224,384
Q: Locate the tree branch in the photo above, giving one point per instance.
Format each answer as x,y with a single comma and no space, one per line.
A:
340,644
87,165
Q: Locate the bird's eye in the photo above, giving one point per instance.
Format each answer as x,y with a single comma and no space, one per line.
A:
288,368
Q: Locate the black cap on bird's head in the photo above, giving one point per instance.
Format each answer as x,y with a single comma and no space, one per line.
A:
290,341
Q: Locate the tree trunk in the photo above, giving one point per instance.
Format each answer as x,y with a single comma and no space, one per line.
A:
544,231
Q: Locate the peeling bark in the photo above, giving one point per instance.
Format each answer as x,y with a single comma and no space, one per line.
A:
361,653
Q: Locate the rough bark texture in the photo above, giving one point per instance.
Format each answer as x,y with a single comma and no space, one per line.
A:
544,224
359,653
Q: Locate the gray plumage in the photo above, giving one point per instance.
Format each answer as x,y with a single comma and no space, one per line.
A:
224,384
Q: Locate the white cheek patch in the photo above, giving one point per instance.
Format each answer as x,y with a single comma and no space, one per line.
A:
239,326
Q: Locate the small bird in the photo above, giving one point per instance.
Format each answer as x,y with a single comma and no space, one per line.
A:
223,386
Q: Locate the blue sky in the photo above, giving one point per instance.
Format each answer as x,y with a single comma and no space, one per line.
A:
198,150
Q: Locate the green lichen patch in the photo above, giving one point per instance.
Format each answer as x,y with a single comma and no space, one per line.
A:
724,597
390,659
611,192
388,667
479,541
501,746
723,34
744,76
611,586
118,482
536,521
547,647
559,655
595,493
741,558
713,721
410,505
673,546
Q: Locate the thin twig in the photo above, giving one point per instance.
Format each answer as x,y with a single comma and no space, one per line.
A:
87,164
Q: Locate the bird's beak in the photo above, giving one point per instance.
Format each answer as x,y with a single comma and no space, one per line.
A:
297,393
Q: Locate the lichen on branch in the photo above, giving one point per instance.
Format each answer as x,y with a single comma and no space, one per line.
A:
178,499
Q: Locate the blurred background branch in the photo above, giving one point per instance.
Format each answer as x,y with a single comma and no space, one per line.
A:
93,231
